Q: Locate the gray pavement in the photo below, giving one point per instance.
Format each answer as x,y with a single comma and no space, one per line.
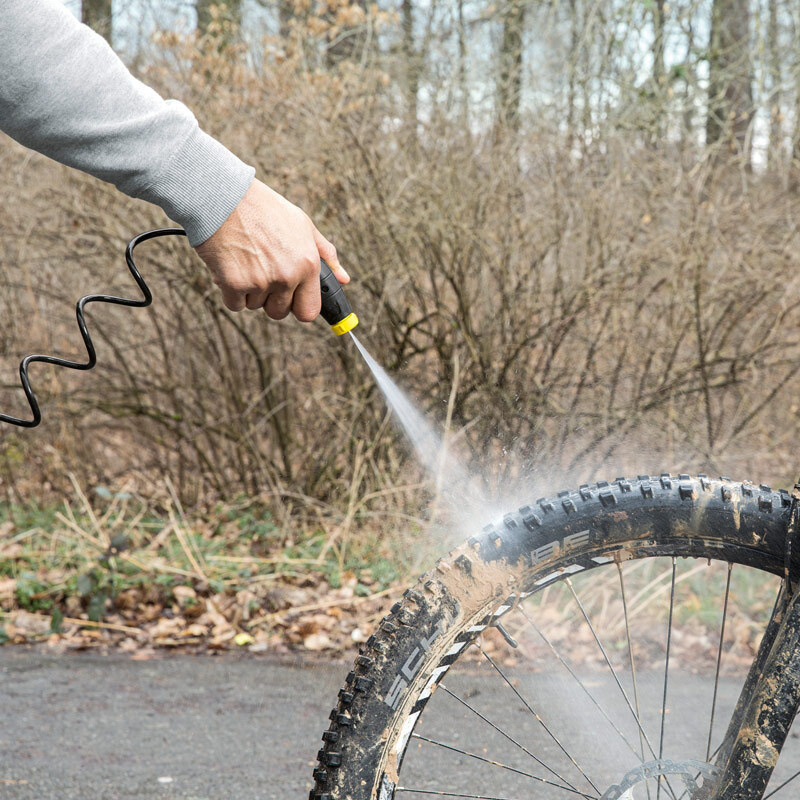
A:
212,728
194,728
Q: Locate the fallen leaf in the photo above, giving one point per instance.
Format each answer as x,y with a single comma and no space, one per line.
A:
213,613
167,627
8,588
183,594
307,626
128,645
30,624
128,600
317,641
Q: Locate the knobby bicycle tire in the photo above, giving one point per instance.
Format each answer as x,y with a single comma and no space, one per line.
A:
399,668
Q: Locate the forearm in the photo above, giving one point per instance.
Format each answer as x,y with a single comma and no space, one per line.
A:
65,93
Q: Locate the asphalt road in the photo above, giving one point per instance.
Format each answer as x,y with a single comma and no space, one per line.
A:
216,728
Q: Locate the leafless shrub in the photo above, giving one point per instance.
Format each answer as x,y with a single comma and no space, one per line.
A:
625,307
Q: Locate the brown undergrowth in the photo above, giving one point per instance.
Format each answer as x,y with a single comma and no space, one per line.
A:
625,308
115,572
565,314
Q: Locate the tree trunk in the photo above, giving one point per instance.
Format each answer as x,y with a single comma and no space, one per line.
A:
97,15
794,32
658,45
656,135
285,14
775,98
688,137
572,71
730,92
412,67
509,92
795,163
462,65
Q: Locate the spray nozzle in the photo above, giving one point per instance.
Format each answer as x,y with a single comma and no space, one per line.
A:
336,310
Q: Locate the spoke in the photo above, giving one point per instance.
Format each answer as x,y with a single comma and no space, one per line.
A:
615,676
785,783
538,718
580,683
719,660
610,667
666,672
633,666
511,739
498,764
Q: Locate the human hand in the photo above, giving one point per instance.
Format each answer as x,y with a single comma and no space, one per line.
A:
266,255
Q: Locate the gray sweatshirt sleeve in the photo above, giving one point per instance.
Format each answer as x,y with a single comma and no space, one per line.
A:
65,93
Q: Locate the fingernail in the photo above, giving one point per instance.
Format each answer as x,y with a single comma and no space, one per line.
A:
344,272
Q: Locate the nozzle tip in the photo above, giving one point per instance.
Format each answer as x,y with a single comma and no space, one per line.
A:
345,325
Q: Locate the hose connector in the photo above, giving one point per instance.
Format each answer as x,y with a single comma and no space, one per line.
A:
336,310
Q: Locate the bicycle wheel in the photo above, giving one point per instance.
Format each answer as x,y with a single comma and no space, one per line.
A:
577,644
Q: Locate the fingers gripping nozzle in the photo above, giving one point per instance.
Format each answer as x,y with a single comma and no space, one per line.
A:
336,310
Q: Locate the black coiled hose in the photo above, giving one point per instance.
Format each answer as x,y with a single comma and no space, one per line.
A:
147,298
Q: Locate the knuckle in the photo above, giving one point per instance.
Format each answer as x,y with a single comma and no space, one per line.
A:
237,286
282,277
308,312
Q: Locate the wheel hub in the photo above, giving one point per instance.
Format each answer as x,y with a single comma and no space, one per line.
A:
689,773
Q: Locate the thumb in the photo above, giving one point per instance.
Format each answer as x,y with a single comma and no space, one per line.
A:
328,252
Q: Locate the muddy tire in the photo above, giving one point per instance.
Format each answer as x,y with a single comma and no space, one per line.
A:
400,666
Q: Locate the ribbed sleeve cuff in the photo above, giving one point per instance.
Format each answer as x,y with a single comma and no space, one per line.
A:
201,186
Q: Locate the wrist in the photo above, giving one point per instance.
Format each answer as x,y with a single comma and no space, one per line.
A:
202,185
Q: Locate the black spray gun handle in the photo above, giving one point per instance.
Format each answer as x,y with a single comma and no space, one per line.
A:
336,310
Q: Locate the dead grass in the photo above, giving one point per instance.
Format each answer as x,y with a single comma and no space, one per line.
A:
118,571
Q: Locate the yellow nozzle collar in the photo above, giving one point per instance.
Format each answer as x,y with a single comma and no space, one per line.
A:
345,325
